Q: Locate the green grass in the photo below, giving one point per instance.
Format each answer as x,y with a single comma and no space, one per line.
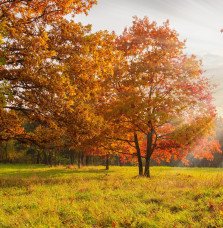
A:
39,196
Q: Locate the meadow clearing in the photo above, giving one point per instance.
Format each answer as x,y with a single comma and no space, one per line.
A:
39,196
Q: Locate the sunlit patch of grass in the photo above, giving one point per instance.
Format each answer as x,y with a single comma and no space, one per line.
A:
40,196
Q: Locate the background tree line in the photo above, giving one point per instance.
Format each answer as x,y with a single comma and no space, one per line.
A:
15,152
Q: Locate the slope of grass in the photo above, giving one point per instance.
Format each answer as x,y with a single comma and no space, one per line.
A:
39,196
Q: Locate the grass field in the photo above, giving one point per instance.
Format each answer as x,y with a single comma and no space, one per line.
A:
39,196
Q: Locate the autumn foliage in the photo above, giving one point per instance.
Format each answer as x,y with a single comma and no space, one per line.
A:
137,95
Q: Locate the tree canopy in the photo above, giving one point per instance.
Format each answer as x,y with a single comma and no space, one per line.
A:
137,95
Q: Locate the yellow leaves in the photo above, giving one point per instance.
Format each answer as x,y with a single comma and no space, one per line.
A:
1,38
10,125
192,66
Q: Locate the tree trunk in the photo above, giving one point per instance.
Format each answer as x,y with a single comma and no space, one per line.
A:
79,160
6,151
82,158
87,160
140,166
107,162
71,157
1,153
147,168
118,161
45,157
50,158
38,157
149,151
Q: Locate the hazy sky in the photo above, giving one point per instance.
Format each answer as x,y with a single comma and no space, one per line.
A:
197,21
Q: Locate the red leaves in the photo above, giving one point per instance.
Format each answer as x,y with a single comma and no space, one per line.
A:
165,88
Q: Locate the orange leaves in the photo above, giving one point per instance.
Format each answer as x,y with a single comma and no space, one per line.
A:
145,36
10,125
46,10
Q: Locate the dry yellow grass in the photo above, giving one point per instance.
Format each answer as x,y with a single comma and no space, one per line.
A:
38,196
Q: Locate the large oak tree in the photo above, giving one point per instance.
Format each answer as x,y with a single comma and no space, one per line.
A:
161,102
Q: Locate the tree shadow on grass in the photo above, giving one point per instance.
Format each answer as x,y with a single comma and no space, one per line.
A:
52,172
50,176
11,166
